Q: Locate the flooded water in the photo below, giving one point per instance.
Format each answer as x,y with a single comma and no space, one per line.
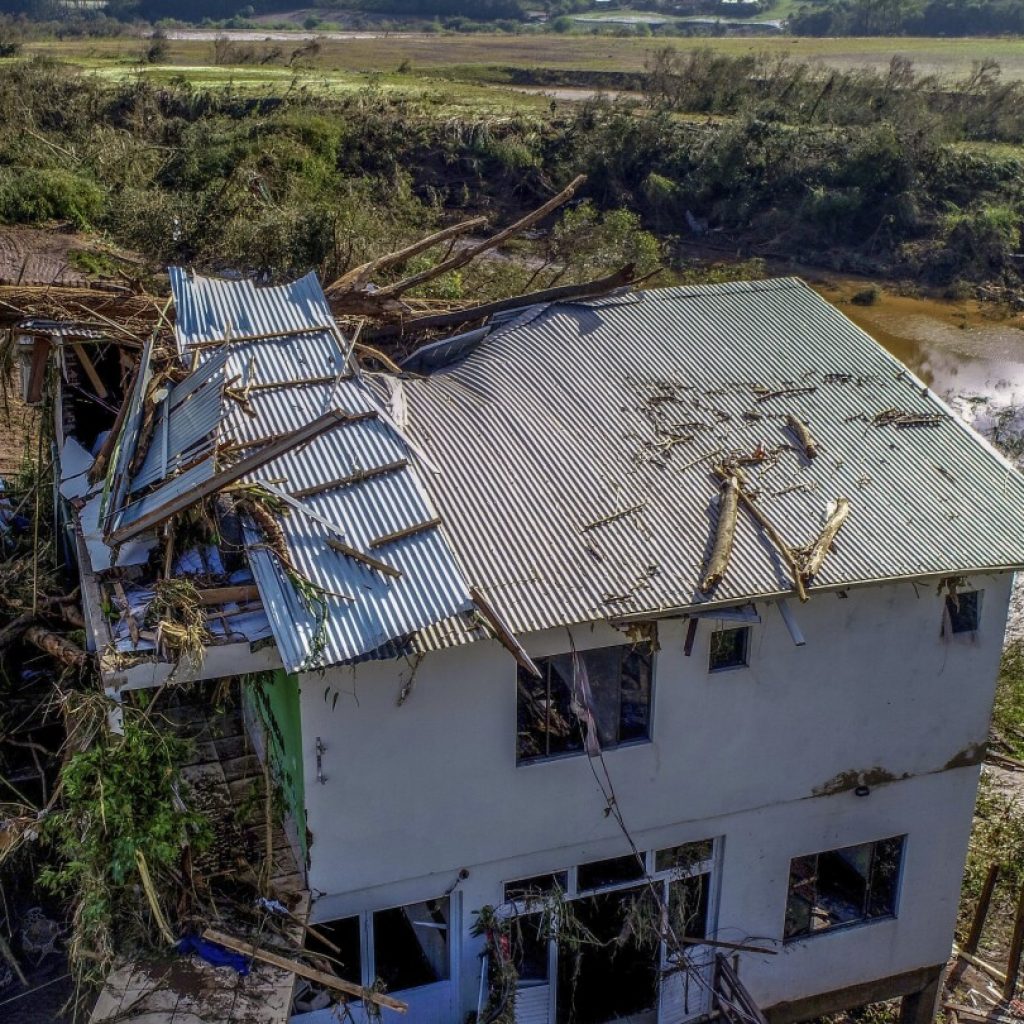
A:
970,354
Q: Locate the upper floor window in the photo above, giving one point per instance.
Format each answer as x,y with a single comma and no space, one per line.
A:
843,887
730,648
551,710
963,610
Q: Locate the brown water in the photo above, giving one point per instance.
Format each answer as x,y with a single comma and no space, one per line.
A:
970,354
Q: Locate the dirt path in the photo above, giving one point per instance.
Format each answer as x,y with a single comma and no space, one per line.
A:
33,256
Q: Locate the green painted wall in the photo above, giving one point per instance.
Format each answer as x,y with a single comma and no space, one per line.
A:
275,697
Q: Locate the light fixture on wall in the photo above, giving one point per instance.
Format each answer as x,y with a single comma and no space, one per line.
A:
862,791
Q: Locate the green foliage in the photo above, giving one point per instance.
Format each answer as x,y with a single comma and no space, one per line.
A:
588,240
119,798
35,196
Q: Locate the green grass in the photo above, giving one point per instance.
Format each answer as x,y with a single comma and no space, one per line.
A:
432,52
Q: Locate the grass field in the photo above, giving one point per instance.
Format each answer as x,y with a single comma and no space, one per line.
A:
473,56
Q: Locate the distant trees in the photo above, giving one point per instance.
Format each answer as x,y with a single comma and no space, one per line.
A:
909,17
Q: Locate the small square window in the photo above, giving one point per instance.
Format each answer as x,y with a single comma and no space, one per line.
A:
729,648
963,610
410,944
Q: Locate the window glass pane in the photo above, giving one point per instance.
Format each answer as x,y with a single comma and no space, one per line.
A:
963,609
410,944
688,906
803,873
608,872
564,732
682,858
538,885
529,949
885,876
532,716
729,648
604,669
635,716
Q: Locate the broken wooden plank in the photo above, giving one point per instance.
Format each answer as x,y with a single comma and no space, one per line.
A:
90,370
820,548
1016,948
970,946
239,594
991,970
310,973
803,435
368,560
56,646
504,635
268,453
405,531
352,478
725,532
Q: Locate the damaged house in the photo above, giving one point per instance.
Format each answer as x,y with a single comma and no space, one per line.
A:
624,659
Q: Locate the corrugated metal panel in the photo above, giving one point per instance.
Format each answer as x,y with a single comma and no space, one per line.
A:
577,443
290,381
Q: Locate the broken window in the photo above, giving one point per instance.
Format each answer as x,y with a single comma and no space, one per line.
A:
530,949
620,694
963,610
345,934
688,906
843,887
615,976
410,944
729,648
601,873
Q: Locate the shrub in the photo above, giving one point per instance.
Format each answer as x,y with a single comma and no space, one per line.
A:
34,196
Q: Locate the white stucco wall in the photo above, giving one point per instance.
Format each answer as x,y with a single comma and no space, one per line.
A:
413,794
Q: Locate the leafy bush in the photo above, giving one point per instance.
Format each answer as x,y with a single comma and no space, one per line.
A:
35,196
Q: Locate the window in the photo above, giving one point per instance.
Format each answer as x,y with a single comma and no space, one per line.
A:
684,858
620,697
729,648
410,944
963,610
599,873
843,887
537,885
688,906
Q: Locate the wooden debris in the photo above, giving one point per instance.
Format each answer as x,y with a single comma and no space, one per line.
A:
56,646
820,548
90,370
368,560
406,531
970,946
310,973
504,635
728,506
1016,948
240,594
621,514
803,434
621,278
353,478
99,466
974,961
784,549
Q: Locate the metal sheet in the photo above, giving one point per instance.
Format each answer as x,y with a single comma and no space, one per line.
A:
577,446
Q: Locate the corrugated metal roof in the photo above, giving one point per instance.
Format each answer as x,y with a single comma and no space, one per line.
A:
292,371
576,448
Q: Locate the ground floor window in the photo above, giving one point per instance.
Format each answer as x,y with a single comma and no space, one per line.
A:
399,948
843,887
605,957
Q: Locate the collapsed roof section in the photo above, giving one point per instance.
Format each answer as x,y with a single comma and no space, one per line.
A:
267,410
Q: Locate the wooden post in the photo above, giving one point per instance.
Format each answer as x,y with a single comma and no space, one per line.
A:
981,911
1016,948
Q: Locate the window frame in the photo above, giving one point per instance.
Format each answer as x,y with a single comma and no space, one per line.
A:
368,953
747,632
581,752
864,920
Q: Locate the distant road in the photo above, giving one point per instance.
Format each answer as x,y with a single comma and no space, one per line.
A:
255,35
